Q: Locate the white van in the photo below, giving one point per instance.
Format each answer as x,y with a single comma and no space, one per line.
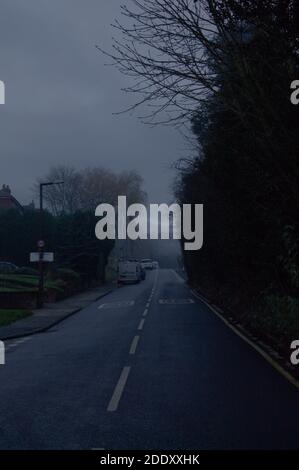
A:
147,263
129,272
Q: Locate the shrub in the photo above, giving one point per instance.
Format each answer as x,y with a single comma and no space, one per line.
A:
277,316
27,271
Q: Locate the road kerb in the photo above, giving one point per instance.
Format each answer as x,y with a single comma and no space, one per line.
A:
55,322
256,347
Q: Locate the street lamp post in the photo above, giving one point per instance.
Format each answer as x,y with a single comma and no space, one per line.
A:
41,243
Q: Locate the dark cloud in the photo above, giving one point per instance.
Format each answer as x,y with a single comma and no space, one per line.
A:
60,98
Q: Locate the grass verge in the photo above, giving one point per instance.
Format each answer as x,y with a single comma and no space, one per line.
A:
8,316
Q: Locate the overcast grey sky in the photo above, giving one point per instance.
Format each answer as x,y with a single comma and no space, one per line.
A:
60,98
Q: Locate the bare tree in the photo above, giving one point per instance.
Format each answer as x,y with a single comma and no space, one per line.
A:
61,198
84,190
130,184
175,50
98,185
168,47
162,46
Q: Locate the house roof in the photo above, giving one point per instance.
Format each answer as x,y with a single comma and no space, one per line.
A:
7,200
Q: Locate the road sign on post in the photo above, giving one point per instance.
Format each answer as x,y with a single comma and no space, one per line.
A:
41,243
46,257
41,257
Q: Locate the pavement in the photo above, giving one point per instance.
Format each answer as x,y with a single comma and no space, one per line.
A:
149,367
52,314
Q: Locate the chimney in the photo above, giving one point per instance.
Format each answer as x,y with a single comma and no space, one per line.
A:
5,191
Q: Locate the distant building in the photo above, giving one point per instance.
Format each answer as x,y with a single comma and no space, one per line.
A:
8,201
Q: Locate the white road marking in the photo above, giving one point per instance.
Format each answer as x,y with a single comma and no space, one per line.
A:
217,308
176,301
148,304
141,324
118,391
121,304
145,312
134,345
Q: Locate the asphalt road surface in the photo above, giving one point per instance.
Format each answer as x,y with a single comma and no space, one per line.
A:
147,367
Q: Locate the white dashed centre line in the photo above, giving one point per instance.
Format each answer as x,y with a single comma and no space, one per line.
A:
114,402
145,312
120,304
134,345
141,324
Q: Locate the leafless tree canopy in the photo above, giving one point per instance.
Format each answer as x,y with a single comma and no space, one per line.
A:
84,190
175,49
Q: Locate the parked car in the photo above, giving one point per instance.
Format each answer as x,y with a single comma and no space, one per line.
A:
147,263
142,270
129,272
7,268
155,265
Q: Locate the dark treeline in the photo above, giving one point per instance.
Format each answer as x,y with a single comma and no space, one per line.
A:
227,66
70,236
247,173
67,225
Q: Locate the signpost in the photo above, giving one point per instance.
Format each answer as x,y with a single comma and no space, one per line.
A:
41,257
46,257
